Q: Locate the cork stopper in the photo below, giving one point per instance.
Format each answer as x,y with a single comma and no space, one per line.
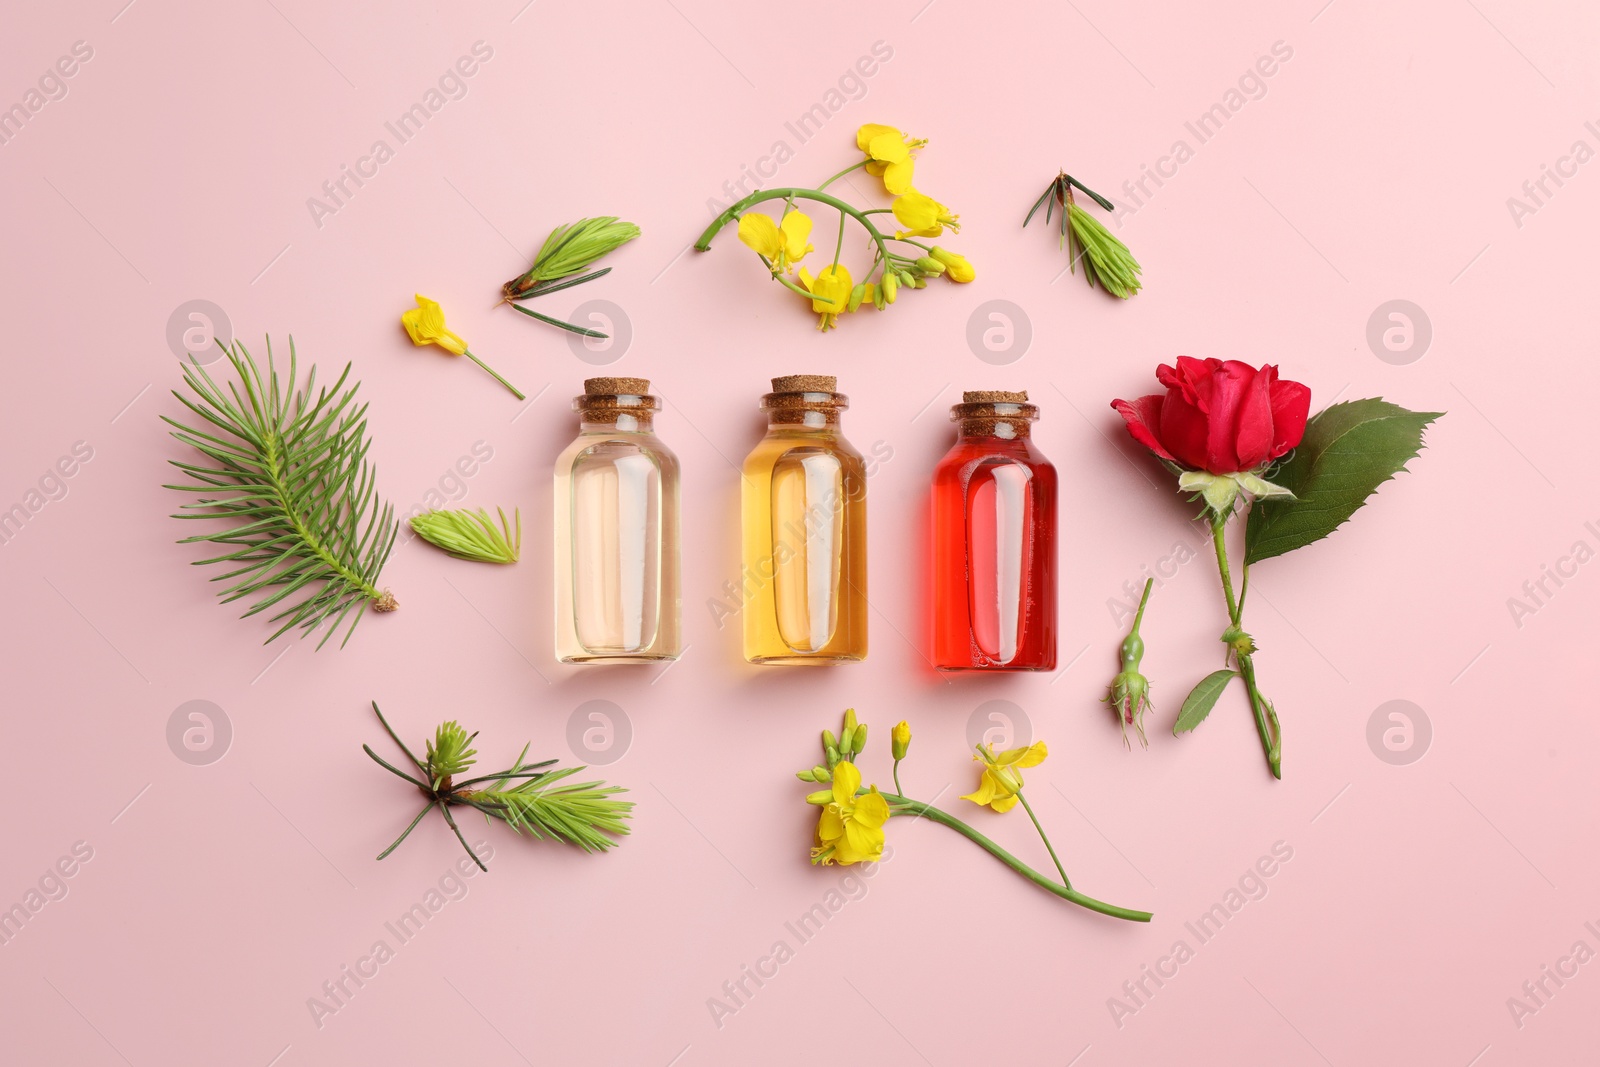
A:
994,413
805,383
622,402
616,386
805,400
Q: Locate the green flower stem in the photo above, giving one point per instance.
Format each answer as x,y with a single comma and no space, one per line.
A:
760,195
906,806
1138,616
1266,719
1048,847
514,390
842,173
896,773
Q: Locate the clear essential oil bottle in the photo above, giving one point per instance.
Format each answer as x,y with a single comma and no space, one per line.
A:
805,531
994,541
617,555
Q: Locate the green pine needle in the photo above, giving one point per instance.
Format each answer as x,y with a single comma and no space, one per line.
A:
540,803
285,465
472,534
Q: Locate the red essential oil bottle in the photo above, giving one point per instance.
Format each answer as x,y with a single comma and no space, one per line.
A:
994,541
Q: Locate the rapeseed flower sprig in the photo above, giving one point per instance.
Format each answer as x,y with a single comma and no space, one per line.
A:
833,290
850,828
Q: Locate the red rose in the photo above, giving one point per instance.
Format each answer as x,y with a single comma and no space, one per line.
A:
1219,416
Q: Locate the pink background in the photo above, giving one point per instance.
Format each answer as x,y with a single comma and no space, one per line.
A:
1376,166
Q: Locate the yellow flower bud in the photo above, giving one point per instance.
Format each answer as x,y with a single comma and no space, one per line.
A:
957,269
821,796
859,741
891,285
858,294
930,265
900,739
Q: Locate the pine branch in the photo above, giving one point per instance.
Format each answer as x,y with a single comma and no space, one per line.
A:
542,805
285,466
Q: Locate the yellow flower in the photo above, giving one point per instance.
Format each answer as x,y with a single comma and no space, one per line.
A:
425,324
783,244
1002,774
851,827
890,153
830,292
900,739
923,216
956,268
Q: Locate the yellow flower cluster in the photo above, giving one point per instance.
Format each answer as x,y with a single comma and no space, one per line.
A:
887,154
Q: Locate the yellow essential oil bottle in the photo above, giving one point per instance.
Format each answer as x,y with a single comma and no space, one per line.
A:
805,531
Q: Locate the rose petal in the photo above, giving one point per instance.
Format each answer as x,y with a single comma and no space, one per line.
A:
1183,425
1253,436
1143,416
1221,395
1291,402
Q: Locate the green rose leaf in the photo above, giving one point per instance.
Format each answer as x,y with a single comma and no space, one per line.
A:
1349,450
1201,699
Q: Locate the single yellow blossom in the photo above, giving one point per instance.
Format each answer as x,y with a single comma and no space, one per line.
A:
425,324
956,268
923,216
890,153
830,292
782,243
851,827
1002,774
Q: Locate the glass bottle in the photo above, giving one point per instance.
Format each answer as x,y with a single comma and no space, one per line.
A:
805,531
994,541
616,531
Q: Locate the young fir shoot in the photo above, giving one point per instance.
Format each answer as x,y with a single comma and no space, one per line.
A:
526,797
1105,259
285,467
567,251
471,534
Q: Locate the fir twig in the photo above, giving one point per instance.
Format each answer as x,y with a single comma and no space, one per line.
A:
286,467
568,250
543,805
1106,260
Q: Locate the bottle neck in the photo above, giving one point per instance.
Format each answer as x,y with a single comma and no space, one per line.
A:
1005,420
620,422
804,411
978,430
802,421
